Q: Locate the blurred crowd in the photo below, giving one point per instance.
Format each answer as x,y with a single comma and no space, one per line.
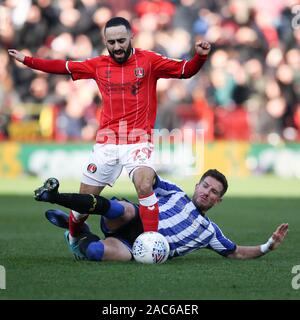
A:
248,89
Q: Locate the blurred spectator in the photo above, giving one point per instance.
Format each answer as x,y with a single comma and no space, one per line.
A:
186,14
34,31
249,89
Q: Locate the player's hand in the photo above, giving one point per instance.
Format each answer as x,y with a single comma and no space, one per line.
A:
279,235
16,54
202,47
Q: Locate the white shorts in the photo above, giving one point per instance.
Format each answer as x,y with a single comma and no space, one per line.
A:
106,162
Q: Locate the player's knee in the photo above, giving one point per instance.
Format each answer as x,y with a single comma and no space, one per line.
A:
144,187
95,251
129,211
92,247
116,210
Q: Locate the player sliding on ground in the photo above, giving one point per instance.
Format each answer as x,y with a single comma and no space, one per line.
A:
182,221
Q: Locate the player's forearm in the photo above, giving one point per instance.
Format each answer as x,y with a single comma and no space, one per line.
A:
194,65
49,66
245,252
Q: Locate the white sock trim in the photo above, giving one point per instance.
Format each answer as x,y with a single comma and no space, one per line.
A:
148,201
78,216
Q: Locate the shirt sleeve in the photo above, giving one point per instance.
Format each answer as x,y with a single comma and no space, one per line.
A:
220,244
193,66
81,69
164,67
45,65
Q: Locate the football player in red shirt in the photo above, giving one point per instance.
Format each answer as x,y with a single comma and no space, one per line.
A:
126,79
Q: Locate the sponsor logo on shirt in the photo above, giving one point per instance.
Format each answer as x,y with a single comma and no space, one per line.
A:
119,88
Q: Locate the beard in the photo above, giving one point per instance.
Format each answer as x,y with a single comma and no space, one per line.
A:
124,58
201,207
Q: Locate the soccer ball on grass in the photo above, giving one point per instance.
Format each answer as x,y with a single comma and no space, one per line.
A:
151,247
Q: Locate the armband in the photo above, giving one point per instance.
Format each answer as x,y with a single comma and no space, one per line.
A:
264,248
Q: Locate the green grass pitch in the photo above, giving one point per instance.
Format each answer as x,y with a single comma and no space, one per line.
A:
39,266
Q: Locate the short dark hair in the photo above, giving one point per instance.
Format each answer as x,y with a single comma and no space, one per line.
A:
218,176
117,21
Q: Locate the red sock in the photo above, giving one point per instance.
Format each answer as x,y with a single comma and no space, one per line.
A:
149,217
149,212
75,225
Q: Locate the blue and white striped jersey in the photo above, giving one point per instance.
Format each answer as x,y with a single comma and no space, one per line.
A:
182,224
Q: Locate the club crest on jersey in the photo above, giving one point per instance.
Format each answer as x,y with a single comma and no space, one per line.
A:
92,168
139,72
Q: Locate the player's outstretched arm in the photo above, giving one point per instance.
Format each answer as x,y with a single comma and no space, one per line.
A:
251,252
16,55
45,65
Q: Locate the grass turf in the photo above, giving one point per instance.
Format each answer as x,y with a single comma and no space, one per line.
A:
39,266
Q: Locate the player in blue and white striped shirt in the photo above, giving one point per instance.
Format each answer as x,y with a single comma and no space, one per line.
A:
181,220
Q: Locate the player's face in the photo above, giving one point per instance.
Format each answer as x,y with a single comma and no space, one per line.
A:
118,43
207,193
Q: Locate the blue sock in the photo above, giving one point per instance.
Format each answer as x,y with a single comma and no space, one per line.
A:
116,210
95,251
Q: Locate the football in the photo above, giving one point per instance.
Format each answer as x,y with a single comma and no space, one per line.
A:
151,247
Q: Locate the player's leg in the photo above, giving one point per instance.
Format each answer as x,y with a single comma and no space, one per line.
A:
102,169
118,242
79,202
116,213
121,216
110,249
120,236
120,226
77,219
143,178
48,192
128,231
115,250
138,160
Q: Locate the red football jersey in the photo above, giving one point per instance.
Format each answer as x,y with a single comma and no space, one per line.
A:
128,92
